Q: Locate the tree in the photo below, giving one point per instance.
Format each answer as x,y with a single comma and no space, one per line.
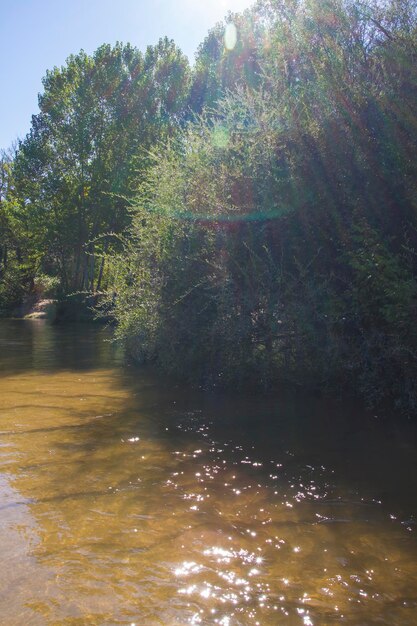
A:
276,236
99,115
221,66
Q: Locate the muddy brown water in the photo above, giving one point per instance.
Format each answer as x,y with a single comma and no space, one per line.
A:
125,499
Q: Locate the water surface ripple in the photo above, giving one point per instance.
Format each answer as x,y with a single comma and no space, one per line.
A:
125,499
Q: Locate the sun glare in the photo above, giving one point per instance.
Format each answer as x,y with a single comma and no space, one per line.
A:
233,5
218,9
230,36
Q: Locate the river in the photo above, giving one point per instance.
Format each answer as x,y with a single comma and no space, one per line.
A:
128,499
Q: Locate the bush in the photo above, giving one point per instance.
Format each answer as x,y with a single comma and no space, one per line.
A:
45,286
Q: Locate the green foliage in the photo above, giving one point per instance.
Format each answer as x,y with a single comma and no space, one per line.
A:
46,286
275,236
249,220
220,69
14,284
98,117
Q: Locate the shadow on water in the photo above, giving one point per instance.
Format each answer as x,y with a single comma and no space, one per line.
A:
132,500
365,448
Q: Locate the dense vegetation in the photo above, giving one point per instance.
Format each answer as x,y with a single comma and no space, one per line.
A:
247,220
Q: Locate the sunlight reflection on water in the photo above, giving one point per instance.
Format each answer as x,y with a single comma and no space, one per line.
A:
131,502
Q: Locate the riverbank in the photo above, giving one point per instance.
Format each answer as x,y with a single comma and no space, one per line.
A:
73,308
42,309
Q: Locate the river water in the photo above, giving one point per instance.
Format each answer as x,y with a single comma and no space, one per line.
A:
125,499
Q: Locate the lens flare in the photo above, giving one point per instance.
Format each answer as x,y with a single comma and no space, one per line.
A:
230,36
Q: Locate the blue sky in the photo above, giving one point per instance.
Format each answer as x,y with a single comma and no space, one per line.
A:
36,35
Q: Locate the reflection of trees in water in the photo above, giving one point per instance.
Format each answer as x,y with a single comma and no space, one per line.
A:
36,344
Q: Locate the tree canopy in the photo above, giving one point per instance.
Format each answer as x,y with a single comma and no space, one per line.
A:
82,160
